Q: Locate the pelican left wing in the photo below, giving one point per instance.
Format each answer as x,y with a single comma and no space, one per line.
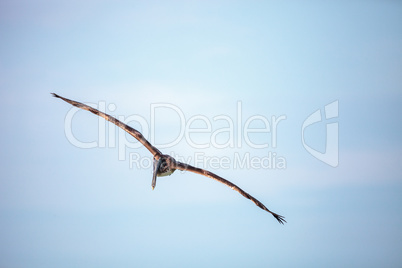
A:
186,167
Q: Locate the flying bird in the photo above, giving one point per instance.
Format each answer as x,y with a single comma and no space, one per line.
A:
164,164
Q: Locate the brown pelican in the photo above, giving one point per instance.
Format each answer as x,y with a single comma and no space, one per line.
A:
164,164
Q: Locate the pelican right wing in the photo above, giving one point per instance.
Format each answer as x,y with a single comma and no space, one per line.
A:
133,132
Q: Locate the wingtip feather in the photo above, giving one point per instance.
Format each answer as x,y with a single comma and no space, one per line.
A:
279,218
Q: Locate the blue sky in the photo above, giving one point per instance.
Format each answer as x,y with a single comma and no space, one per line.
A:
64,206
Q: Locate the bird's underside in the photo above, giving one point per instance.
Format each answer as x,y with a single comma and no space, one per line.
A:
165,165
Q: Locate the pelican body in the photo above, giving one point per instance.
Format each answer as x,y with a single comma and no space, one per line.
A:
164,164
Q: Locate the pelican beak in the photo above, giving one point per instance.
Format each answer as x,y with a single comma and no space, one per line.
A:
154,180
157,164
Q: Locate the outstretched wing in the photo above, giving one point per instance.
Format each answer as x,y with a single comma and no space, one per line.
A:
186,167
136,134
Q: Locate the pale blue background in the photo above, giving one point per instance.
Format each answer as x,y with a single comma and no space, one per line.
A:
62,206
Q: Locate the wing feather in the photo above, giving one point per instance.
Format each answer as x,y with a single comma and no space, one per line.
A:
133,132
186,167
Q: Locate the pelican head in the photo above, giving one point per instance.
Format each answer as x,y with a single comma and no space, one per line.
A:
163,166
